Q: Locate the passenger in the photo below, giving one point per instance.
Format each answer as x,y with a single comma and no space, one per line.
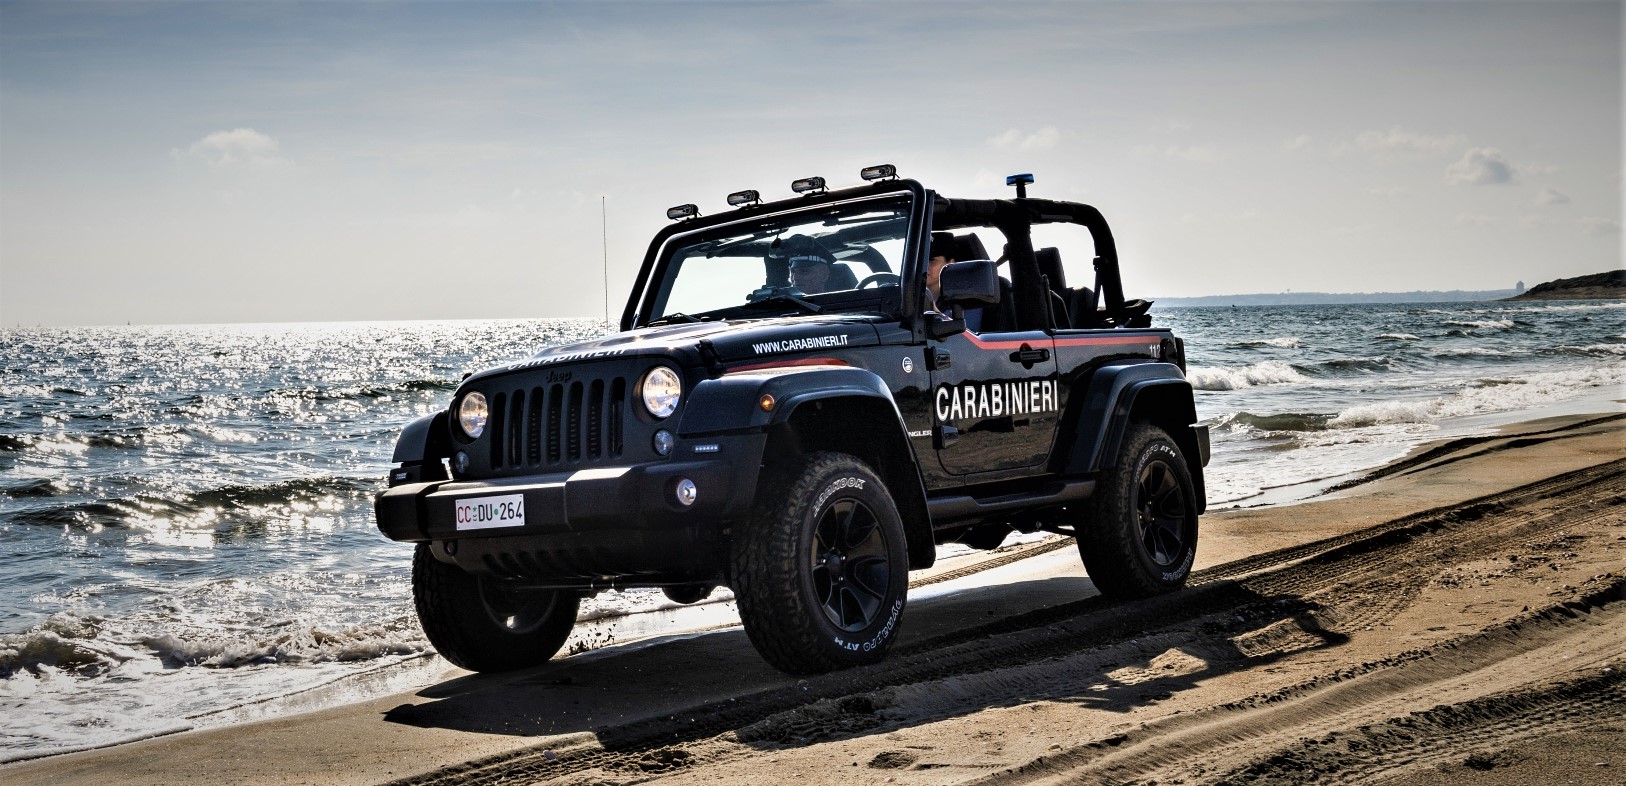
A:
942,253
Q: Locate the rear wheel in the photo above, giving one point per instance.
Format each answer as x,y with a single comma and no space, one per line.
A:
821,571
1140,538
482,624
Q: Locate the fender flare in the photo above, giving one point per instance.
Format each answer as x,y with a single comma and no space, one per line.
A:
732,404
426,439
1108,404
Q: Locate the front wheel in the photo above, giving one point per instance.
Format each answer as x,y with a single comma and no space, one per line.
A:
821,570
481,624
1140,536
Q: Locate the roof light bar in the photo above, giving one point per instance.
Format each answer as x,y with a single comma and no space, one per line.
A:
879,172
744,198
682,211
808,186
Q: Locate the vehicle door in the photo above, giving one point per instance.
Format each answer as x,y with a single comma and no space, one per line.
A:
995,400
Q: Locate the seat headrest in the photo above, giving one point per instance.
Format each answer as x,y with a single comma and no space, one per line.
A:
1050,266
969,246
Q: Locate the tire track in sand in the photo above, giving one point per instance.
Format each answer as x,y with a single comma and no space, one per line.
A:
986,662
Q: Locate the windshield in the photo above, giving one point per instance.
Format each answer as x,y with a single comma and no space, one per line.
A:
839,256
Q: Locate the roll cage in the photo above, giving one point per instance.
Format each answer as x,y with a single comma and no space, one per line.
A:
927,212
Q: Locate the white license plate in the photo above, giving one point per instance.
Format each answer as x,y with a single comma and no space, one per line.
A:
488,512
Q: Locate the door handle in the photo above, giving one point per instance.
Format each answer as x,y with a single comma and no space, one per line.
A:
1027,356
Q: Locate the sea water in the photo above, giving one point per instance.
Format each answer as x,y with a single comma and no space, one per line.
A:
186,526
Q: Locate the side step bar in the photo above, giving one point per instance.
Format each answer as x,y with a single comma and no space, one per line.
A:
961,508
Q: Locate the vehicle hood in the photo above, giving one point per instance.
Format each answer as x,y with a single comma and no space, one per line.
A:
728,343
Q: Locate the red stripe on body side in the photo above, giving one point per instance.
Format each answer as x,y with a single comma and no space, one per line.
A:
789,363
1091,341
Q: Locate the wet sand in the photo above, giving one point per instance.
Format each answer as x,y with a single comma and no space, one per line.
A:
1459,618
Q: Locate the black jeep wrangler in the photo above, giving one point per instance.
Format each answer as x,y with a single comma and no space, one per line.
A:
807,440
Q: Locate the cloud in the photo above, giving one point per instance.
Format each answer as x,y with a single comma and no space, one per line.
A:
1204,154
1474,220
1481,166
1387,192
1552,196
1300,142
1593,225
1397,140
235,148
1015,139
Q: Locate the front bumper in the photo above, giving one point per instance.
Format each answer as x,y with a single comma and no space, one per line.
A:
594,523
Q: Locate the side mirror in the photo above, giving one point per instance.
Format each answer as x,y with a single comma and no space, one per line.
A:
974,282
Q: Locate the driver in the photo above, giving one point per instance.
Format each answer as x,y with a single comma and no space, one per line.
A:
810,268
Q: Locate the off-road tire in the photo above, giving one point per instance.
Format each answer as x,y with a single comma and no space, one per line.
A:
463,616
1139,536
821,570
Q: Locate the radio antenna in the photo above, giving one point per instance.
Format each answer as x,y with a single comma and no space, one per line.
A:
604,227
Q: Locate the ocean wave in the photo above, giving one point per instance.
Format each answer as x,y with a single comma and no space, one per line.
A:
1286,342
38,487
1385,413
1285,421
1483,396
1356,364
363,392
302,644
14,442
1479,352
1397,337
1480,324
1270,372
1593,350
130,511
87,647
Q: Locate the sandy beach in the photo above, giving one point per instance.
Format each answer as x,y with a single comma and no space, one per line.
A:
1459,616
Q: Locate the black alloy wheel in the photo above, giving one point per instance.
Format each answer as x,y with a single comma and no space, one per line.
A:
1161,505
851,577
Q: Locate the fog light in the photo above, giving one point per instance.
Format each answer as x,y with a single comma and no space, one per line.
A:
663,442
686,492
460,462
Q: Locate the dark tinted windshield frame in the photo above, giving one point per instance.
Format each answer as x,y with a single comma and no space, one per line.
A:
646,299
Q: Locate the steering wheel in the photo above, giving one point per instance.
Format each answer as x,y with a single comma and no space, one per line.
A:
879,280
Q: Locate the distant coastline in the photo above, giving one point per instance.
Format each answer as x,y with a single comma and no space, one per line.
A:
1609,285
1598,286
1329,298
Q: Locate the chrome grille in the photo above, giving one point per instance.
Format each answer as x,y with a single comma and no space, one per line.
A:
558,425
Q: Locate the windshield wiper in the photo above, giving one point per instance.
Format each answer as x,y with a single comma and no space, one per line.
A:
676,316
783,299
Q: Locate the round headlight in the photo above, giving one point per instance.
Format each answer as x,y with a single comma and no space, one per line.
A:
662,389
471,414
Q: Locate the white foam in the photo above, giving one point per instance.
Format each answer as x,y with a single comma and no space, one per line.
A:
1595,349
1486,352
1285,342
1500,395
1398,337
1483,324
1270,372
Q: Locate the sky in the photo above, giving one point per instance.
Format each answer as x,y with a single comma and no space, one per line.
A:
279,161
